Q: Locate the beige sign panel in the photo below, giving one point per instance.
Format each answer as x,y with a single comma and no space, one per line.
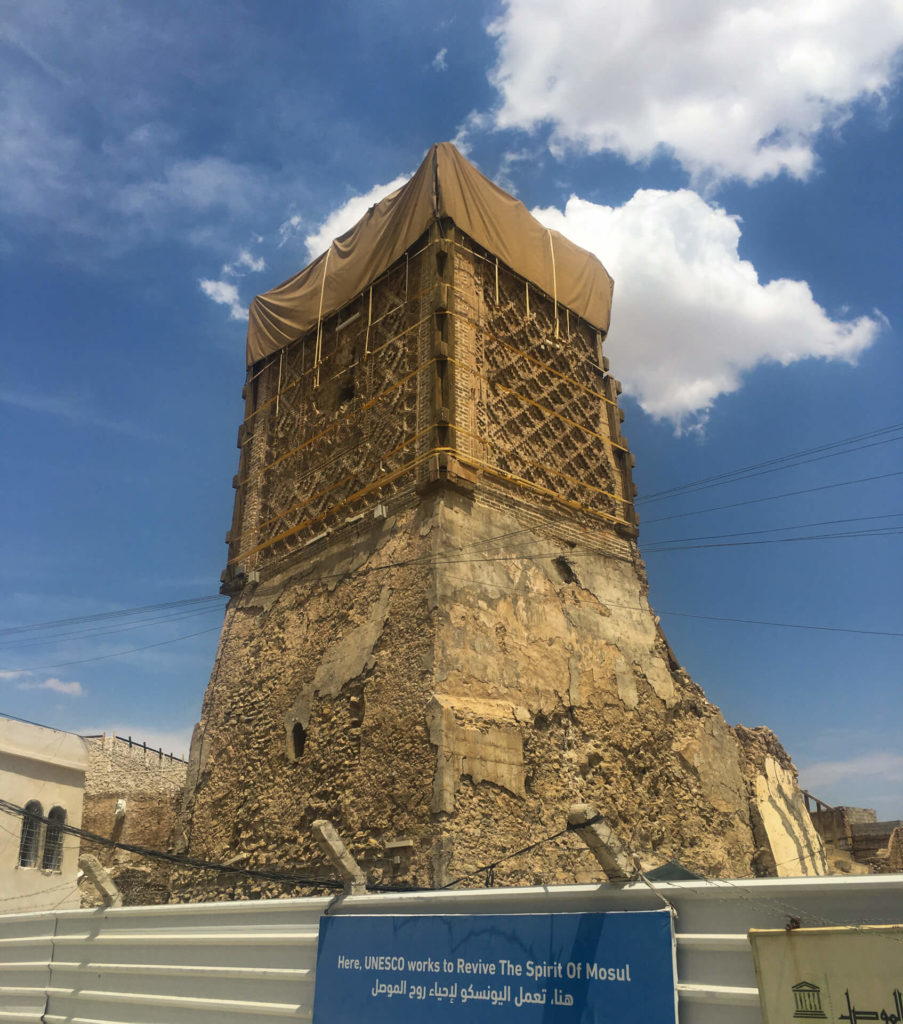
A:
830,974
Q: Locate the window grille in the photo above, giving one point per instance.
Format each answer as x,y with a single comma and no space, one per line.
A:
30,840
53,840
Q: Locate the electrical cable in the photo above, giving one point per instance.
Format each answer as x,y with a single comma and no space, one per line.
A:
116,654
779,463
774,497
887,531
111,615
526,555
688,615
774,529
173,858
98,631
288,878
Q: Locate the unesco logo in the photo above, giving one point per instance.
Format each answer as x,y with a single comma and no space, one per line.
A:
808,1001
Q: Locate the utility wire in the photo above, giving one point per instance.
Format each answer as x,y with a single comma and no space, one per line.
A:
111,615
172,858
774,529
774,497
184,860
887,531
529,556
98,631
782,625
790,461
688,615
115,654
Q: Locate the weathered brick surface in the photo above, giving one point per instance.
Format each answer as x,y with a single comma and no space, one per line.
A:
448,640
152,786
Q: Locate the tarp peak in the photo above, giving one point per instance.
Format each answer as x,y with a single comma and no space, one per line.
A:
445,185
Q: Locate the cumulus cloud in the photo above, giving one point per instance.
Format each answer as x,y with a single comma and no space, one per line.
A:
732,89
225,294
347,215
439,61
56,686
244,263
691,317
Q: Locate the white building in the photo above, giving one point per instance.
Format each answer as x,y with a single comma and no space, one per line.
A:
43,771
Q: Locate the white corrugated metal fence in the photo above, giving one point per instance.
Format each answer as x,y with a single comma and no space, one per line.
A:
221,962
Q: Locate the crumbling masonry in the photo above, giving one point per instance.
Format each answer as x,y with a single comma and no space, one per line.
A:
439,636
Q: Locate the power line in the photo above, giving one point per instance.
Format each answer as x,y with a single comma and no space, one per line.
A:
890,531
110,615
172,858
115,654
887,531
790,461
688,615
98,631
782,625
776,529
774,497
183,860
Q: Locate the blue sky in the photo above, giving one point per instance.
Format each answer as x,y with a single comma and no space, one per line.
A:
736,168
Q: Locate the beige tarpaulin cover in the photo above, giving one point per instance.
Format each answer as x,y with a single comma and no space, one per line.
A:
445,185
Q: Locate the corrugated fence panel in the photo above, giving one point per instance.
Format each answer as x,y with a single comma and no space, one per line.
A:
716,976
25,952
208,963
226,962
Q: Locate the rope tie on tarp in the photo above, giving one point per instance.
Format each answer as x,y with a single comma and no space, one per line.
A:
554,277
319,352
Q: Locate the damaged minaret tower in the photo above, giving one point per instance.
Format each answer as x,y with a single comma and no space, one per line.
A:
439,636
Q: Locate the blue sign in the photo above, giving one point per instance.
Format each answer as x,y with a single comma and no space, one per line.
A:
498,968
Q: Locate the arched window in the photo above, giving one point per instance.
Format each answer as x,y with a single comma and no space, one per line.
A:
30,840
299,738
53,840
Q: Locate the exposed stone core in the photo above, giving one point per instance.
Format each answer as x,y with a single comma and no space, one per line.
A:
439,636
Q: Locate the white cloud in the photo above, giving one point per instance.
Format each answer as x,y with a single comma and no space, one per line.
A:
195,185
13,673
289,228
78,410
225,294
439,61
733,89
869,780
56,685
690,317
347,215
880,764
244,263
